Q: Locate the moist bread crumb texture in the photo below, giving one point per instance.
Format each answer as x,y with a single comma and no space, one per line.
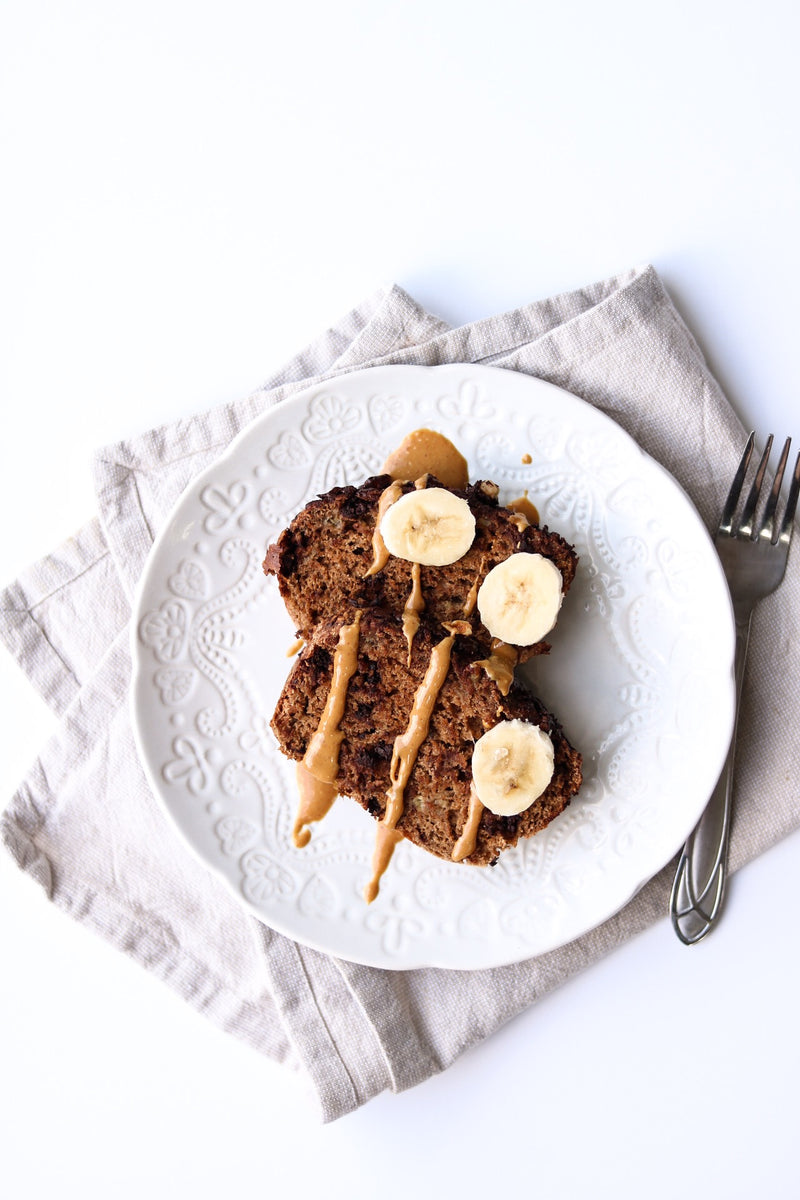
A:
401,745
321,560
379,699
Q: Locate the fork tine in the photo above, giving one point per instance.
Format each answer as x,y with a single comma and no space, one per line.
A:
791,505
768,523
746,522
736,486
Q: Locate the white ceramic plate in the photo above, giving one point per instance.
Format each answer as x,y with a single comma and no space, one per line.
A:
640,672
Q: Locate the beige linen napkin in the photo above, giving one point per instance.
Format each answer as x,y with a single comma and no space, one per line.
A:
84,824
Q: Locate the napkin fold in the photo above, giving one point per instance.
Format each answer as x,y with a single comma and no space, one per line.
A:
84,824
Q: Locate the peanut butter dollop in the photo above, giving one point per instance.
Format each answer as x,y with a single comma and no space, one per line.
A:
425,452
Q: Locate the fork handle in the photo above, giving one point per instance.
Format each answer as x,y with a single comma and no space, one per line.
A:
699,885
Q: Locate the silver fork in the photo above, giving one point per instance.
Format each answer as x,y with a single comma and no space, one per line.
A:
753,554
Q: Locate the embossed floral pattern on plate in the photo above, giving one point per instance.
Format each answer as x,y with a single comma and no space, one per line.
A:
640,671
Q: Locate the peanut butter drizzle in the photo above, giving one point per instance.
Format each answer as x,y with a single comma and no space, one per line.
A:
525,508
386,838
424,452
500,664
404,755
472,595
316,800
469,834
414,605
316,775
380,555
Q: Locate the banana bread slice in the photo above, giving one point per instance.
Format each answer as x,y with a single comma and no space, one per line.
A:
322,561
380,695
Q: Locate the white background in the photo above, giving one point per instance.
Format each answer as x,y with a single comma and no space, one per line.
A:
189,193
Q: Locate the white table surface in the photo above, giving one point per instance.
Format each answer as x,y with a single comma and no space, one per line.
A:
190,192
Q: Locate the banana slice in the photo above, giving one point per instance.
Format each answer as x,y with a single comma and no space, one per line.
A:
520,598
429,526
512,764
